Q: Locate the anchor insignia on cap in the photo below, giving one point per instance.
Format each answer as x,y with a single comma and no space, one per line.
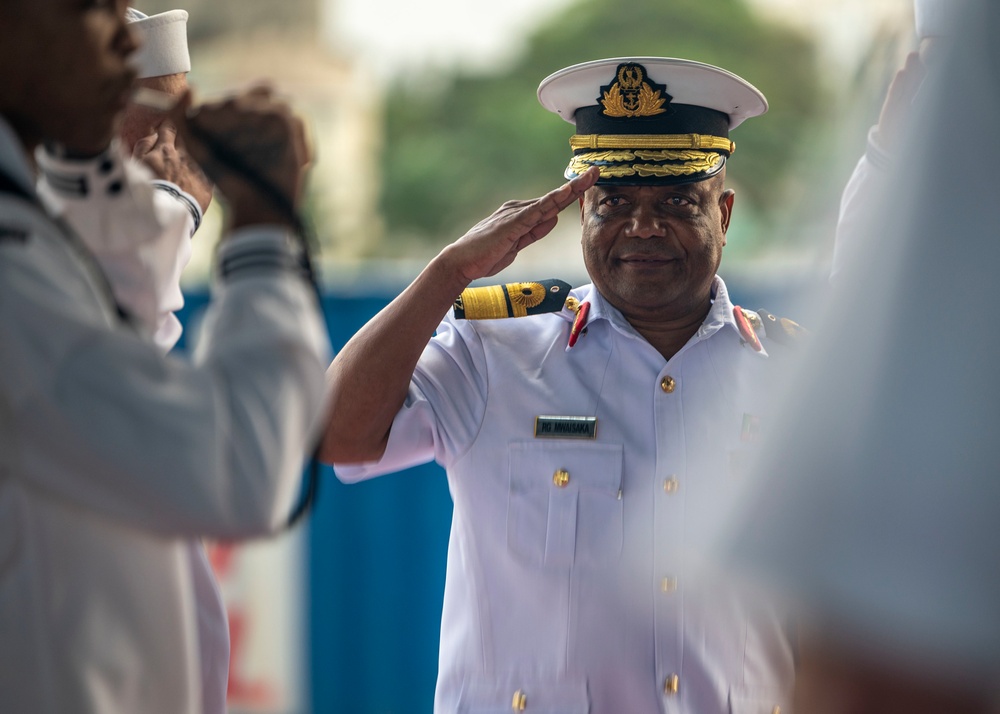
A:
630,95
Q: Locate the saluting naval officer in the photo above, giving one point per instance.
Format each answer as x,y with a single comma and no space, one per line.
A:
115,458
591,441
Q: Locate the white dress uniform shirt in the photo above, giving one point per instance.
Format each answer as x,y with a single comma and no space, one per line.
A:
139,229
113,458
574,581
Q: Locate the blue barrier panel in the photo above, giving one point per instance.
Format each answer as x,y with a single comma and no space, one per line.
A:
376,560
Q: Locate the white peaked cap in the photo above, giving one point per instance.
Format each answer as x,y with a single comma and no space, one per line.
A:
164,47
689,82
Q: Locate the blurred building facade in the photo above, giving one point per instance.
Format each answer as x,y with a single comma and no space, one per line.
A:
844,29
295,45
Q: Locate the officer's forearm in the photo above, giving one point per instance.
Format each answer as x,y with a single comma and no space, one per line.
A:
369,379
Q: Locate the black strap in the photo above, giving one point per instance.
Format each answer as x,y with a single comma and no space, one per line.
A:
231,159
9,186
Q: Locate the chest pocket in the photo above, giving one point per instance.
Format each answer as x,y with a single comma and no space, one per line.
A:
564,506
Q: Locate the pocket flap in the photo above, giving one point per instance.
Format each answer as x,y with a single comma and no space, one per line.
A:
563,696
595,467
748,700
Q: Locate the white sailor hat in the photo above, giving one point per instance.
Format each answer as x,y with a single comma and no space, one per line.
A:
650,120
164,48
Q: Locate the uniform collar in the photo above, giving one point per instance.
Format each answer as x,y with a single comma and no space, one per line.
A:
78,178
720,315
13,160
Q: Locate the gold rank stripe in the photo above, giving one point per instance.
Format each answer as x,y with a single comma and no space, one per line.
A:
618,169
485,303
651,141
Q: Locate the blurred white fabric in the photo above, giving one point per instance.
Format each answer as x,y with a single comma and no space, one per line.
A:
878,502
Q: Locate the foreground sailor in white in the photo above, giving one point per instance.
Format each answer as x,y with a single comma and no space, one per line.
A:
884,499
138,216
591,442
113,457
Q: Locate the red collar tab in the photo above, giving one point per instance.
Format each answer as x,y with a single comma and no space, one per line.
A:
746,329
579,324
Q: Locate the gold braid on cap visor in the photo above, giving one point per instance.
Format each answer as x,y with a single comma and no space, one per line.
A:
626,154
651,141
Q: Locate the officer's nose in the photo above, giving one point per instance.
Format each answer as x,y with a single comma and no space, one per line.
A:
645,223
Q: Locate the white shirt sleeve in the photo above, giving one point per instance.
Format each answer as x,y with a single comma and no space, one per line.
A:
139,230
444,407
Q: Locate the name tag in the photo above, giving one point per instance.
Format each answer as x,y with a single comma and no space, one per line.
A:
565,427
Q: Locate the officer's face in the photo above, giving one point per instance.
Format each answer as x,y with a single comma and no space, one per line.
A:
653,251
66,76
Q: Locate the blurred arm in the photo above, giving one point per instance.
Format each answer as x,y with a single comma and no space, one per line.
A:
871,170
102,420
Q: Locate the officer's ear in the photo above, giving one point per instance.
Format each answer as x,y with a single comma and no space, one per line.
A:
726,209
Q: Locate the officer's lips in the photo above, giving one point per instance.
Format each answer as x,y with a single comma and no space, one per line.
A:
646,260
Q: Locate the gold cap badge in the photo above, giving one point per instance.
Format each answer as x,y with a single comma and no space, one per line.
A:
630,95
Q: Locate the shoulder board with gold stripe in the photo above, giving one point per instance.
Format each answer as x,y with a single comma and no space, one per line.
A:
492,302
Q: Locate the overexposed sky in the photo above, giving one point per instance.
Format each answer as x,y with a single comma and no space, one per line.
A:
395,35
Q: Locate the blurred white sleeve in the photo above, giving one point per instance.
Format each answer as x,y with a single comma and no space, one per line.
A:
139,230
105,421
855,203
877,500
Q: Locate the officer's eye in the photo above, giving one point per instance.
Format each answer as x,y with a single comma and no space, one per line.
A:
679,201
613,201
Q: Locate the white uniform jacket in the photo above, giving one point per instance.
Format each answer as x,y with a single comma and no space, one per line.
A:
113,457
574,583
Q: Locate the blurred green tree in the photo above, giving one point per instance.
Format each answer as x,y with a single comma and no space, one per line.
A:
455,148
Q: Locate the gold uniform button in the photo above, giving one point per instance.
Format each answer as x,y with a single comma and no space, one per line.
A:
520,702
668,585
671,484
561,478
672,685
668,384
